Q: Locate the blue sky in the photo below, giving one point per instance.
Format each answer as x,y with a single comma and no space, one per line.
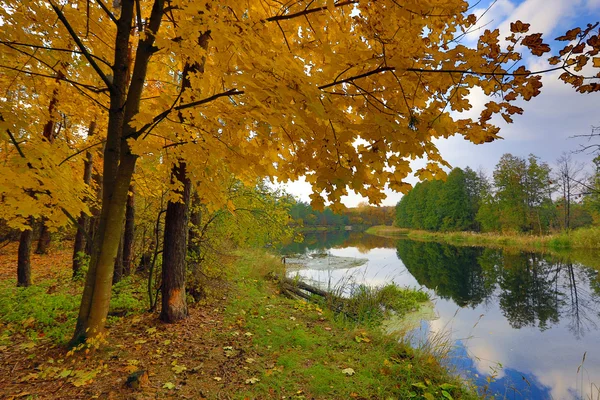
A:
549,121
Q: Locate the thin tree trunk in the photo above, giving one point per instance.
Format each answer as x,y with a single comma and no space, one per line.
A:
129,234
118,271
83,220
44,240
174,307
24,260
193,234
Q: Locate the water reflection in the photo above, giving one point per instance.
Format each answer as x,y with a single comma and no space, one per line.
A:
531,289
454,272
534,314
325,240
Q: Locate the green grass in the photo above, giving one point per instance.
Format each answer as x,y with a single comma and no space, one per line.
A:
386,230
370,305
49,308
309,346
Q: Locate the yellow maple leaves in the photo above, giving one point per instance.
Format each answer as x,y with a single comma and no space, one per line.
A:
290,91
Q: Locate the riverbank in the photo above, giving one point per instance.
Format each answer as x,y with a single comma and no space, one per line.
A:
243,341
583,238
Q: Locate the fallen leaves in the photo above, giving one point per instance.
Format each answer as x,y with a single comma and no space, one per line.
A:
168,385
178,369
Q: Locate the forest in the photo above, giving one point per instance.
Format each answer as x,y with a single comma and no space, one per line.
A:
522,195
141,142
303,215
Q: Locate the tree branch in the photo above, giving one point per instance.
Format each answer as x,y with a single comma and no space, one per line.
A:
74,83
107,11
84,50
165,114
445,71
364,75
14,141
81,151
308,11
34,46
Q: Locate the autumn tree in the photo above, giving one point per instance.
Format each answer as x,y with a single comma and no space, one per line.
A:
344,93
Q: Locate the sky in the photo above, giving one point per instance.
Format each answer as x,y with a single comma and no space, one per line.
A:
550,120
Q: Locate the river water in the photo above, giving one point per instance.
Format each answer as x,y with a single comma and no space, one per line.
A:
520,320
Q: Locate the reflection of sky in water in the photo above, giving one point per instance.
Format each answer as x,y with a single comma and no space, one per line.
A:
535,364
383,267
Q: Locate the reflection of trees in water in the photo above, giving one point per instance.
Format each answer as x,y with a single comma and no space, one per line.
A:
324,240
453,271
583,300
528,294
315,241
532,290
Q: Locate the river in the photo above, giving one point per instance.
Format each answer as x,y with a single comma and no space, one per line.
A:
520,323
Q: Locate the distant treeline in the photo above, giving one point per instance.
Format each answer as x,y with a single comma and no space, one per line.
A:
523,195
303,214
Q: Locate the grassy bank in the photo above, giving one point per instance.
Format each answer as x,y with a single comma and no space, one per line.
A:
246,341
317,353
583,238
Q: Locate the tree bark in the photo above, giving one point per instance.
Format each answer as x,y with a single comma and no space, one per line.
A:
129,234
44,240
174,307
94,219
24,260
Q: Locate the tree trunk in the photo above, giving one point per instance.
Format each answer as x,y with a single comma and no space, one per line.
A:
119,164
92,227
118,271
194,233
129,234
44,240
83,220
95,301
24,261
174,307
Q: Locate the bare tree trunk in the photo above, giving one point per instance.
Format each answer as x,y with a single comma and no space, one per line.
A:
24,260
174,307
44,240
129,234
